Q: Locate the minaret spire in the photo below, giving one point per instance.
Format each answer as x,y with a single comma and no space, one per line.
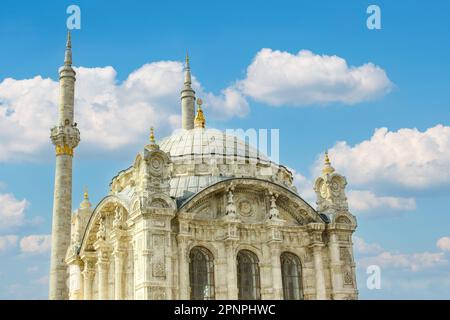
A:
68,56
187,98
65,136
187,75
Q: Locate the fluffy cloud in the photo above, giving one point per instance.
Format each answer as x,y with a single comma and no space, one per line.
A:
363,200
36,244
444,243
110,115
304,187
408,158
7,242
12,211
413,262
374,254
231,102
362,247
281,78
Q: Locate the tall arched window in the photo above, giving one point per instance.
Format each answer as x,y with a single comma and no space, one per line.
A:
292,276
201,274
248,276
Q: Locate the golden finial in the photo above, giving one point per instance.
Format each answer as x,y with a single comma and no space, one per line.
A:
152,135
327,159
200,120
86,195
327,168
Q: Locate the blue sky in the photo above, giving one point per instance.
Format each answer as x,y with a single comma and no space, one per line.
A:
408,192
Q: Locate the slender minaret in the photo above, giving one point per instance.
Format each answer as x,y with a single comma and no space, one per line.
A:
65,136
187,100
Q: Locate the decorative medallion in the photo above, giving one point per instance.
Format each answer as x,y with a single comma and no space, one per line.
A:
156,163
245,208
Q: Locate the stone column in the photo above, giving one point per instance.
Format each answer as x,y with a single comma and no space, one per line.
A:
220,264
88,277
119,239
276,272
275,238
335,265
119,282
318,266
103,259
231,270
317,245
75,277
184,268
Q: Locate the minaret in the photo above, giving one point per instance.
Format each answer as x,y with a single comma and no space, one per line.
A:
187,100
65,136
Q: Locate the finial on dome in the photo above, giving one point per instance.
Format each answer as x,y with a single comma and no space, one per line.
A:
86,194
200,120
152,136
85,204
327,167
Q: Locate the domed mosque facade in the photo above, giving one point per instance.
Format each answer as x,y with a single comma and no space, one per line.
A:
201,215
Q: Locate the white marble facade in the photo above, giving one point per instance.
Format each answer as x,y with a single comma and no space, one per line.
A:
193,218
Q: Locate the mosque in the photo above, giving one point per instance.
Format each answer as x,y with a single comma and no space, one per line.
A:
198,215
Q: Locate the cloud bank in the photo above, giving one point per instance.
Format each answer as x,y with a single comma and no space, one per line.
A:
280,78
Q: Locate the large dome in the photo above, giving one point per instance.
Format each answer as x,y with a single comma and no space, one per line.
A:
209,143
205,149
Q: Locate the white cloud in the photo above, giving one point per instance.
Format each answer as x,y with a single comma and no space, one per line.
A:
36,244
12,211
281,78
363,200
229,103
414,262
304,187
7,242
443,243
364,248
407,158
110,115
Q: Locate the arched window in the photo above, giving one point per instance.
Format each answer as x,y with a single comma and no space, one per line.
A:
248,276
291,270
201,274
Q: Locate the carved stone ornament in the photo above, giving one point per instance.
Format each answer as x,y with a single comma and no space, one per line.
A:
231,207
101,233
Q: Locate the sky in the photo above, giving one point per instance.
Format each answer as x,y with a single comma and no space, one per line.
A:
377,99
